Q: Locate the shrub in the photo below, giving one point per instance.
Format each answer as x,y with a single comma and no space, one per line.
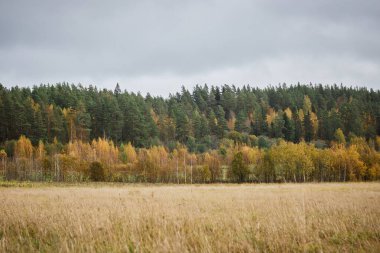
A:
97,171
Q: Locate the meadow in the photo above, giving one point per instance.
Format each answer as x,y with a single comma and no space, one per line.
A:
324,217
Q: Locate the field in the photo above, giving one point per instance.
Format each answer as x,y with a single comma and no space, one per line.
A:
182,218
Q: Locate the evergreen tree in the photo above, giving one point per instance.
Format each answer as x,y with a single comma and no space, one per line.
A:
298,133
182,126
212,122
308,126
221,121
133,124
241,122
71,112
197,125
278,126
117,90
288,129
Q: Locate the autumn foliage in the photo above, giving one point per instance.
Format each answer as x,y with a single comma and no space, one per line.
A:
102,160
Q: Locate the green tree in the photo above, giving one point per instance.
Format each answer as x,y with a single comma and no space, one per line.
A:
339,136
288,129
221,120
182,126
298,133
239,168
241,124
278,125
308,126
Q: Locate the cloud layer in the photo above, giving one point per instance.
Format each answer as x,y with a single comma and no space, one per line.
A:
157,46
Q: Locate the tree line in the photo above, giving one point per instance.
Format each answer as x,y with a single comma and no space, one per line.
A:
200,119
102,160
207,132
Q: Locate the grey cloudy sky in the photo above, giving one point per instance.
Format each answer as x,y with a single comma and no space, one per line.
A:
159,45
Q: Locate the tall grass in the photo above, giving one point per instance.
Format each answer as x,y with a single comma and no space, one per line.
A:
204,218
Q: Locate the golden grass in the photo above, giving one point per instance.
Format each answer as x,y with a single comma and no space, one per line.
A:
205,218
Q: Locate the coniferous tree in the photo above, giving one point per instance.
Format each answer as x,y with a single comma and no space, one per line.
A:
72,112
241,122
288,129
308,128
117,90
221,121
182,126
298,133
278,126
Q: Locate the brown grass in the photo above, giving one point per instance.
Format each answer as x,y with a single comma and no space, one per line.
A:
206,218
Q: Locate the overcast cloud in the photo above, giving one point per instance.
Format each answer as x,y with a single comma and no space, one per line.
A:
157,46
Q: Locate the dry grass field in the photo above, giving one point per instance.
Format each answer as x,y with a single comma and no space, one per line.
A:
203,218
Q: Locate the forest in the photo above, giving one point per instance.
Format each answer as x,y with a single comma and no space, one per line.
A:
295,133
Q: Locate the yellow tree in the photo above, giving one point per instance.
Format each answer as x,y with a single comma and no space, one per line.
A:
144,165
40,151
81,150
369,156
254,158
315,123
357,168
70,116
282,161
291,161
182,155
130,152
347,163
24,157
288,113
378,143
324,162
303,153
105,151
40,155
24,148
211,160
150,163
306,104
163,163
339,136
271,115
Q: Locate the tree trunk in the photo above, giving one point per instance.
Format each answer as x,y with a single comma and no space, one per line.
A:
177,172
184,166
191,170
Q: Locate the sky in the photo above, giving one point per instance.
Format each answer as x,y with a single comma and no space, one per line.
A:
160,45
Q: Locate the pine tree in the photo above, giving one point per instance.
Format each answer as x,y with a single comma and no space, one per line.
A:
298,133
278,125
182,126
117,90
212,122
308,128
221,121
133,124
288,130
241,122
